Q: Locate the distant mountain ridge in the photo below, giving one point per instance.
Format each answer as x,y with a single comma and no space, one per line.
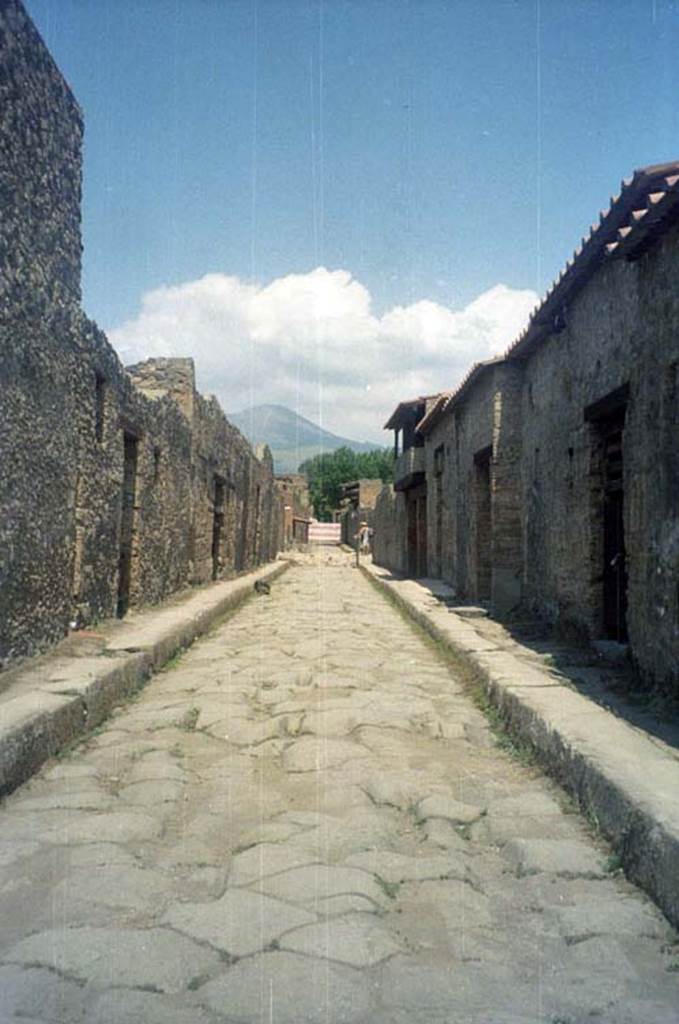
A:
292,438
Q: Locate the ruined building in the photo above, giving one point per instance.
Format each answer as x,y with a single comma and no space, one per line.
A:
356,506
117,487
297,508
548,482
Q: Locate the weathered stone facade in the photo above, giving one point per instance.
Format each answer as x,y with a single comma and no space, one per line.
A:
356,506
389,530
116,488
298,511
473,503
552,474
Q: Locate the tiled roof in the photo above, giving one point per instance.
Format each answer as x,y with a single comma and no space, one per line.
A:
449,399
647,204
393,420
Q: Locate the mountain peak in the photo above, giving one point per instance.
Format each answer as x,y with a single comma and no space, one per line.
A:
292,438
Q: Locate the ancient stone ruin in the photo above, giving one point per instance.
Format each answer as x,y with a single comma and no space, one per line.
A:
118,487
547,483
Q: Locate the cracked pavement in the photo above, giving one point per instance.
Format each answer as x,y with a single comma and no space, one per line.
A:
305,818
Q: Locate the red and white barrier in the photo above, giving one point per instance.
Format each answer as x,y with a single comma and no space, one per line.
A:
325,533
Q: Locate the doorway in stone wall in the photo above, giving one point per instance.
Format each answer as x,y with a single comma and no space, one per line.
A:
615,562
482,523
416,538
217,525
127,524
608,542
438,512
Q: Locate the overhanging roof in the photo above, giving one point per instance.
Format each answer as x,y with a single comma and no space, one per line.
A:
403,408
647,205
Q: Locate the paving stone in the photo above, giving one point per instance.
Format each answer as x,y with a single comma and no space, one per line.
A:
289,989
356,939
130,957
269,832
611,917
530,804
336,839
67,771
318,881
395,790
87,799
440,806
558,857
412,991
12,851
156,766
240,923
149,794
478,946
311,755
132,1007
457,903
265,859
114,885
333,906
499,830
39,994
444,835
397,867
62,826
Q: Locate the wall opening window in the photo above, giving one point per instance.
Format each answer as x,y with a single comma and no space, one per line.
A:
99,406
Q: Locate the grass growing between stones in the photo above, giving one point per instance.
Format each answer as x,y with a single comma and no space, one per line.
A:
469,678
390,889
174,661
189,719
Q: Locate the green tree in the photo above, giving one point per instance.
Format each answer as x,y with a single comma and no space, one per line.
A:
327,473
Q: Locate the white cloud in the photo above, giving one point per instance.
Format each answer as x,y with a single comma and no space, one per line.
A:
311,342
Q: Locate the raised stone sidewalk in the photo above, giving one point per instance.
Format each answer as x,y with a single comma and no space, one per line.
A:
623,779
49,701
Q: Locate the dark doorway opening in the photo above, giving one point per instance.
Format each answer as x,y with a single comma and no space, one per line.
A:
615,563
217,526
438,496
417,531
483,524
127,538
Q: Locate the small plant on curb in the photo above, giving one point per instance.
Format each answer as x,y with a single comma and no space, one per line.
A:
613,864
173,662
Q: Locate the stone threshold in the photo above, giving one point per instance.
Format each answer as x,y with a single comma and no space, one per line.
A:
621,779
54,699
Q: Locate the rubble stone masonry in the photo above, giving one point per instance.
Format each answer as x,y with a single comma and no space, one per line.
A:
117,488
552,473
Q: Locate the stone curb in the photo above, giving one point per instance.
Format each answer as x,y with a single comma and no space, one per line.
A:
619,776
57,699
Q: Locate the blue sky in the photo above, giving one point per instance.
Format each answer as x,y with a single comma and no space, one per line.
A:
430,150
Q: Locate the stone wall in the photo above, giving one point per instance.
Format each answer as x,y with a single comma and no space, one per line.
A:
540,460
40,167
293,489
473,502
389,526
117,488
622,331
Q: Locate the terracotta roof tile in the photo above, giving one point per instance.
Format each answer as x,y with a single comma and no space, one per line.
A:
648,202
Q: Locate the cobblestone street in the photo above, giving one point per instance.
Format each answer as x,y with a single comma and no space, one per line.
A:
306,818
